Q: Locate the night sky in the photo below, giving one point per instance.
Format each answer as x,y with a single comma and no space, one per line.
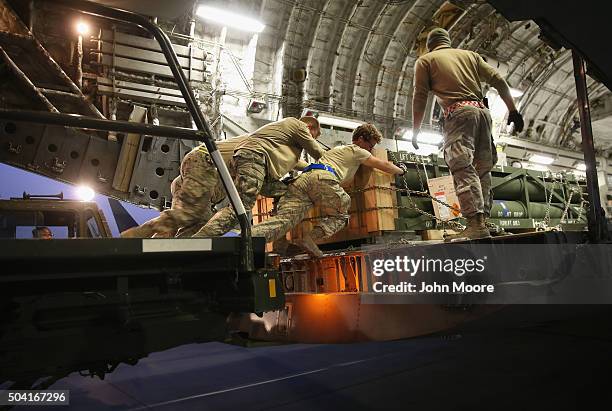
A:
16,181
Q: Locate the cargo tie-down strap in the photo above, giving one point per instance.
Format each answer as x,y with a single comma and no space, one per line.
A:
318,166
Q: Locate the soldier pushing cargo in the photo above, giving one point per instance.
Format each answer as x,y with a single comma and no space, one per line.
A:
320,184
271,151
193,193
454,76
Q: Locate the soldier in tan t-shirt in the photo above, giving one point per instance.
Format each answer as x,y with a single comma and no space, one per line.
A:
271,151
455,76
322,186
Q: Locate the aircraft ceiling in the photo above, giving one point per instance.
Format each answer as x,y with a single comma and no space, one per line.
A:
359,55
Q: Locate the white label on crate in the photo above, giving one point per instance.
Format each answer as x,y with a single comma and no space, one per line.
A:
443,189
443,211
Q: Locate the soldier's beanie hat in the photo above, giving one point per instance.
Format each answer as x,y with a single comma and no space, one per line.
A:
438,37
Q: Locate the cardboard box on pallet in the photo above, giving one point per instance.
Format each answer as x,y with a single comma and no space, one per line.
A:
262,209
261,212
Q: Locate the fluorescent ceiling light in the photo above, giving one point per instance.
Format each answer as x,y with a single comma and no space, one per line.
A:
230,19
425,149
580,166
579,173
536,167
540,159
338,122
425,137
515,92
430,138
497,107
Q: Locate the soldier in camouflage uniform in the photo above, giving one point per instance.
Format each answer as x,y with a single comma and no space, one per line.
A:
175,186
321,186
269,152
455,77
194,193
270,189
147,229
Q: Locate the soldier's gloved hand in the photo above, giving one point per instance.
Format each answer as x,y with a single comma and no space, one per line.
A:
415,135
516,118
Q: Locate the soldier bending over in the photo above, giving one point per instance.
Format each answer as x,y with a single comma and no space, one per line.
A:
320,183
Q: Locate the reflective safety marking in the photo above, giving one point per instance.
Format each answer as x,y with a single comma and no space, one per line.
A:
169,245
272,287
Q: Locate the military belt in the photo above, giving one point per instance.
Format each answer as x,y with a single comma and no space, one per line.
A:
448,110
318,166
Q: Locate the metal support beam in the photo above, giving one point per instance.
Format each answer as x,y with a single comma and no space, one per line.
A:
99,10
92,123
26,82
596,217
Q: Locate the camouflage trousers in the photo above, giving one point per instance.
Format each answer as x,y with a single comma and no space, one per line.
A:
470,154
249,171
175,189
192,197
271,189
175,186
187,231
313,187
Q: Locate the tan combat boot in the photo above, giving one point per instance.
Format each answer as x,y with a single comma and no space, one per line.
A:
476,228
495,230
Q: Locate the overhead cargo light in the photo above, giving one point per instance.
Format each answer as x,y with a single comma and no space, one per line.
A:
497,107
85,193
536,167
540,159
425,137
425,149
338,122
230,19
515,92
82,28
430,138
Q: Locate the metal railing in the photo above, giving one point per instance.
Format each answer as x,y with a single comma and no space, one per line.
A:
204,132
